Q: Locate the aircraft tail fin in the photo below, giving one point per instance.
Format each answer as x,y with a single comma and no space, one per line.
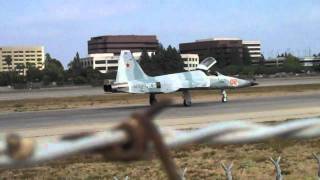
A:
128,68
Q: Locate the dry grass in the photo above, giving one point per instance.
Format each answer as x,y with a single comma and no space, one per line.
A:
99,100
203,162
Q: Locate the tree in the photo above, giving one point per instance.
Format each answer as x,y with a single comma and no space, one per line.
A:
144,56
164,61
291,64
53,71
145,62
8,61
20,68
75,65
176,63
262,60
49,60
34,74
11,78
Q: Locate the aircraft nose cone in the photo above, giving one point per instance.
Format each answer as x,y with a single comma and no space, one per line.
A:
253,83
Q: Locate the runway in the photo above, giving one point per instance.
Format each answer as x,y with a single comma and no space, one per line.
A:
201,113
74,91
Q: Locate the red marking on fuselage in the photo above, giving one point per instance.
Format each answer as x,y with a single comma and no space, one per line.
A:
234,82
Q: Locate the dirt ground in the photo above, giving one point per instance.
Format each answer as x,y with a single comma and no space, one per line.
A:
202,162
122,98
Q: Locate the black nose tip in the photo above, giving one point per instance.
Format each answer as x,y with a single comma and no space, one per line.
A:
254,83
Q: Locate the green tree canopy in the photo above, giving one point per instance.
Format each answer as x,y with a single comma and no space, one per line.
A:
34,74
75,65
291,64
8,61
164,61
53,71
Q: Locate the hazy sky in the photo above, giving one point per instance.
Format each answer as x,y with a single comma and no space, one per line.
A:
64,26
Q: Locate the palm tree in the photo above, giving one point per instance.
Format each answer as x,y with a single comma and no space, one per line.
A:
8,60
20,68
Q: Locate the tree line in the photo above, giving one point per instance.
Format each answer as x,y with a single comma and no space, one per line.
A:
289,64
163,61
52,74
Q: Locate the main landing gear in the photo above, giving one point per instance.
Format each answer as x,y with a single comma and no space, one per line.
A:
186,98
152,99
224,96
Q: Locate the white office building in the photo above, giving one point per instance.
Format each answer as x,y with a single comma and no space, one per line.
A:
310,61
105,62
191,61
253,48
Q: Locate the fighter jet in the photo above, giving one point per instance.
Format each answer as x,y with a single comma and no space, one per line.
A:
131,79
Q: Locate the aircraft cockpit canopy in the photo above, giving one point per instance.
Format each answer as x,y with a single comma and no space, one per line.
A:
207,63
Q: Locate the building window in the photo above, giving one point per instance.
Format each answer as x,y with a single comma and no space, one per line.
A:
100,68
112,68
112,61
100,62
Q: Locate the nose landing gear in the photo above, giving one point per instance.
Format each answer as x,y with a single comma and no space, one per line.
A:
224,96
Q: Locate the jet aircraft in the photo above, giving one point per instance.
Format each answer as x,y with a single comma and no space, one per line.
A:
131,79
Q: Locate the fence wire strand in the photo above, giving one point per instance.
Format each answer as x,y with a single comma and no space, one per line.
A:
231,132
16,151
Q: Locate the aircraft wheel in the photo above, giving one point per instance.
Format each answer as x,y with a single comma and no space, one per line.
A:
224,99
186,103
152,99
224,96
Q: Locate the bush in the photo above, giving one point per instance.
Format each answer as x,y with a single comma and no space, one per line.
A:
10,78
248,71
317,68
231,70
267,70
292,64
79,80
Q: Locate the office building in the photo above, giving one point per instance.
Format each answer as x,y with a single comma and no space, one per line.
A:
104,51
114,44
227,51
191,61
21,57
252,49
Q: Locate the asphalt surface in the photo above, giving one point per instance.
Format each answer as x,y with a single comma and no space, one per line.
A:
200,112
9,94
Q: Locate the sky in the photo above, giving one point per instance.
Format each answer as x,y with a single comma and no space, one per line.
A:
65,26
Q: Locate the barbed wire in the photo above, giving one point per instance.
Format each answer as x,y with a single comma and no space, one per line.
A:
138,136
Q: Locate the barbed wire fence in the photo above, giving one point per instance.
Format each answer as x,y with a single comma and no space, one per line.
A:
138,137
227,169
276,164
